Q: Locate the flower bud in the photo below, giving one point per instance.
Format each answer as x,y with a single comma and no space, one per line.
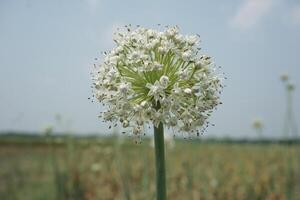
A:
164,80
188,91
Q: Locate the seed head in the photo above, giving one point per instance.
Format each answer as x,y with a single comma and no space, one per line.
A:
290,87
257,124
284,77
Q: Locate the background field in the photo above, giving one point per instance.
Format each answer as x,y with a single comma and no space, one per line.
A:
113,168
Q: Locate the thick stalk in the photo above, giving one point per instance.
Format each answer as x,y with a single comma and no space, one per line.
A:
160,162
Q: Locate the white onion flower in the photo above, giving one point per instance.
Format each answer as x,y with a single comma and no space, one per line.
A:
187,91
154,77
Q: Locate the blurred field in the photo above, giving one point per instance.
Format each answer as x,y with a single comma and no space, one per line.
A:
111,168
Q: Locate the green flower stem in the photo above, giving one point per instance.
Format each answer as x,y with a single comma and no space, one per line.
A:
161,193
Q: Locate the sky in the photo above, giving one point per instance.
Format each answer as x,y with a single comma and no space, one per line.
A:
47,49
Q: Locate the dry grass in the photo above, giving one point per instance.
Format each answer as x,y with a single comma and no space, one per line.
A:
107,170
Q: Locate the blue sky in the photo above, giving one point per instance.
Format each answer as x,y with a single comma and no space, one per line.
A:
47,50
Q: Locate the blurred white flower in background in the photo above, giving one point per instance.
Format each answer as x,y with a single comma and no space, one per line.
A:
258,126
95,167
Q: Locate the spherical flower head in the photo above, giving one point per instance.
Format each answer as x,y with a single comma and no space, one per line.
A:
290,87
153,77
257,124
284,77
48,130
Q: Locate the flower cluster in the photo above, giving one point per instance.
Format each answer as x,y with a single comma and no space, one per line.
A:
157,77
257,124
285,79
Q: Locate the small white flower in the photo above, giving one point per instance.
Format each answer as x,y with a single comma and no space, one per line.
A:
192,40
100,96
119,49
125,123
144,104
183,74
124,87
156,90
113,59
172,31
206,60
164,80
179,38
151,33
151,44
187,91
157,66
163,49
187,55
198,64
173,121
137,130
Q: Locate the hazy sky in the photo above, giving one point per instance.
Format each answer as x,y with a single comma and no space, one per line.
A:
47,49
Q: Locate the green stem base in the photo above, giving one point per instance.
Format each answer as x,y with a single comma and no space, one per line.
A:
159,144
